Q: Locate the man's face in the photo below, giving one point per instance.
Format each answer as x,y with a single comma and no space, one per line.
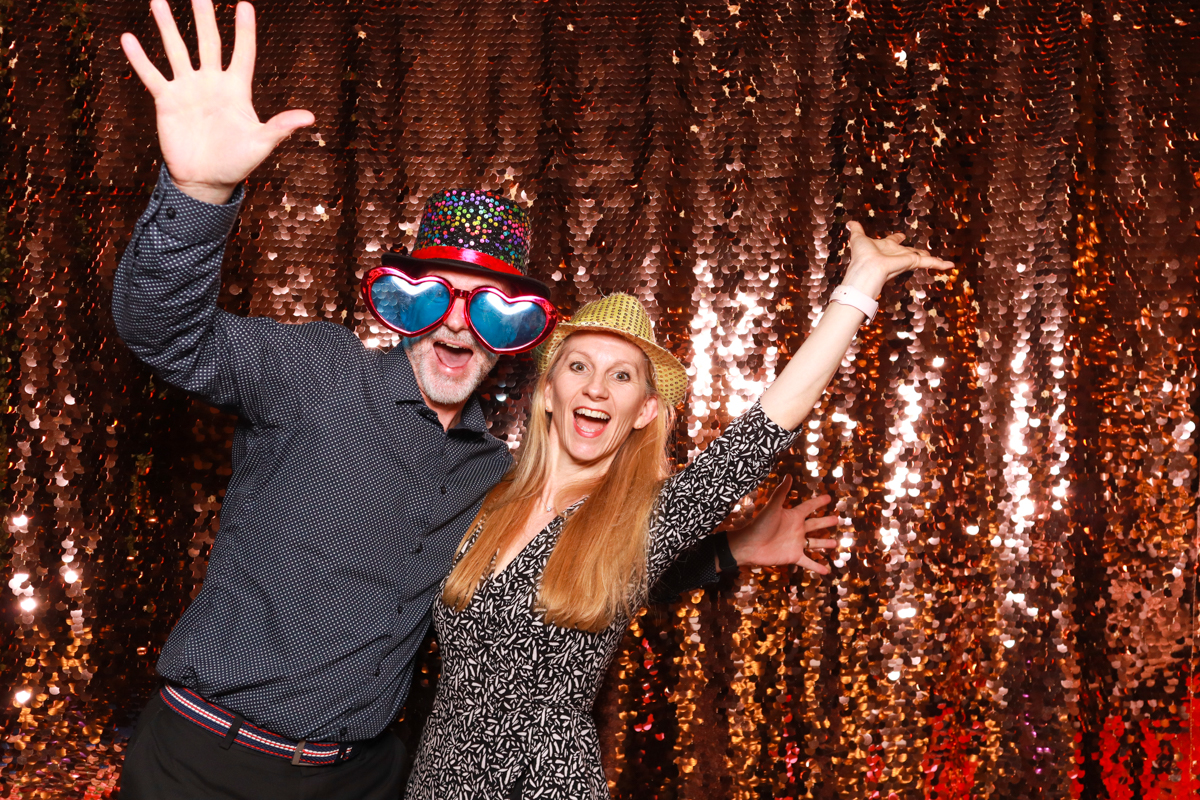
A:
448,361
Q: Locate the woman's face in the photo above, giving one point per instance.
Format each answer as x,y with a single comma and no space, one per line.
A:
597,395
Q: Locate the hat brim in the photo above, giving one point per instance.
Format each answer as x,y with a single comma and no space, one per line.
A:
670,377
419,266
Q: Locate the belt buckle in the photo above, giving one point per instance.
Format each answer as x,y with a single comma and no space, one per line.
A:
298,752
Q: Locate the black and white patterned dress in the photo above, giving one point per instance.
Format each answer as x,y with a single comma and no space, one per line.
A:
513,712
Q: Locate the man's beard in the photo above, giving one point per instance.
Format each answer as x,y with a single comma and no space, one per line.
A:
439,388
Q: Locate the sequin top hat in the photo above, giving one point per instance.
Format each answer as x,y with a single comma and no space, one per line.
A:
624,315
474,231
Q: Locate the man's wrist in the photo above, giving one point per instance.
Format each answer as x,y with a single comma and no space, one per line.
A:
206,193
725,558
187,219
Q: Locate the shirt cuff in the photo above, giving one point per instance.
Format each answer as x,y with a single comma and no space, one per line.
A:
190,221
724,554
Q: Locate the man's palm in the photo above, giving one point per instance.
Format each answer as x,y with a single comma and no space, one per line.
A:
210,135
779,535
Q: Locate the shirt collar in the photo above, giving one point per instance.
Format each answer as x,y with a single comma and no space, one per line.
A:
401,384
472,418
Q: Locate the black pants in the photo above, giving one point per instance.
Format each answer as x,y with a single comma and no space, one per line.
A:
172,758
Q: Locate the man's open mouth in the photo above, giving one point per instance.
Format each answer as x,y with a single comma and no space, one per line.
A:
452,355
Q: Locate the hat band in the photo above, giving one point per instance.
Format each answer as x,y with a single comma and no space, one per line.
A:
470,256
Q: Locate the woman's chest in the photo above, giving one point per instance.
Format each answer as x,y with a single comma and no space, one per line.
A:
503,608
503,622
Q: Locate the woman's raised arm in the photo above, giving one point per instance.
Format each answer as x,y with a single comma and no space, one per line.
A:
873,262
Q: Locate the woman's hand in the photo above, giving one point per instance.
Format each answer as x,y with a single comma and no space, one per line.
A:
210,135
779,535
873,262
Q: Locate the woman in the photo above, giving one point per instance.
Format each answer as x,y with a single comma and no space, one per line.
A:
563,549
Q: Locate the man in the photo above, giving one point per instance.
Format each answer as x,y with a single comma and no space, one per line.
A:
356,471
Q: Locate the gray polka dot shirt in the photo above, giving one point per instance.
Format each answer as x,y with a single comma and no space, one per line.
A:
347,501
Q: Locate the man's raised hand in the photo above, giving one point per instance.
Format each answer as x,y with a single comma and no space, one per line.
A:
210,136
778,535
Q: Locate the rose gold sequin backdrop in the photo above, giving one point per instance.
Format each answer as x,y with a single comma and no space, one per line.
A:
1014,614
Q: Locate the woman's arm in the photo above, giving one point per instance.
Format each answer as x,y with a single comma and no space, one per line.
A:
695,501
873,262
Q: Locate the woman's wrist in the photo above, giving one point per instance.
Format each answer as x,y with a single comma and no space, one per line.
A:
870,285
848,295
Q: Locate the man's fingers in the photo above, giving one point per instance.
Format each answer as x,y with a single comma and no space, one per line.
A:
812,504
855,229
781,492
819,523
812,566
244,44
778,496
821,544
143,67
282,125
176,50
208,38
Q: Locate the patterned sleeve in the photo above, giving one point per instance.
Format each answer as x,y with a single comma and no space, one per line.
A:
698,499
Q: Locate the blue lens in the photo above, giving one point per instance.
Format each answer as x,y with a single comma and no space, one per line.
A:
409,307
505,325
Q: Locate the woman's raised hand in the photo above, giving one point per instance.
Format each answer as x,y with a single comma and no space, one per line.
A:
873,262
210,136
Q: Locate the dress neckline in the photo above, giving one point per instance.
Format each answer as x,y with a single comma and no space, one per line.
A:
571,509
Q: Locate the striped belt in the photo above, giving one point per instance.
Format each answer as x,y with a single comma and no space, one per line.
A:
233,729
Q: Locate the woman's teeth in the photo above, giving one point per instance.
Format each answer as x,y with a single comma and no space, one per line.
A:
590,422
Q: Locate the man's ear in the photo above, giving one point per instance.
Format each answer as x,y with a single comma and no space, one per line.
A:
648,414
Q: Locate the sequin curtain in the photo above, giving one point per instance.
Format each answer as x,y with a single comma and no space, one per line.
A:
1013,612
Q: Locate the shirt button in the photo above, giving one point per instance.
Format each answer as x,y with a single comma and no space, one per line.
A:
400,608
418,548
443,490
156,194
170,213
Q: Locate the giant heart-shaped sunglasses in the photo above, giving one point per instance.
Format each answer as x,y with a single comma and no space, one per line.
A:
413,306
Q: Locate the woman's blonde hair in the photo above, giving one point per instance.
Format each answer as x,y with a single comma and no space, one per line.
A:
598,567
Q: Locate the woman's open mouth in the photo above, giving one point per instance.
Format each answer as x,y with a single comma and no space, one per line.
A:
589,422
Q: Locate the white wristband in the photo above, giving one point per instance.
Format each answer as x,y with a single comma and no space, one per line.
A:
849,296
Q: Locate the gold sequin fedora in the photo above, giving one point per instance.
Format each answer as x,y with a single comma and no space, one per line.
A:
624,315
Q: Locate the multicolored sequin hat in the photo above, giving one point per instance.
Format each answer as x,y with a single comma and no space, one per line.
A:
624,315
475,231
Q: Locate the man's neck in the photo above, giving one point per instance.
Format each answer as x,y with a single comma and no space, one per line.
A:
448,415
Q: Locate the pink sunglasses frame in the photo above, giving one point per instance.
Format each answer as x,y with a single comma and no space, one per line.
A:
455,293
